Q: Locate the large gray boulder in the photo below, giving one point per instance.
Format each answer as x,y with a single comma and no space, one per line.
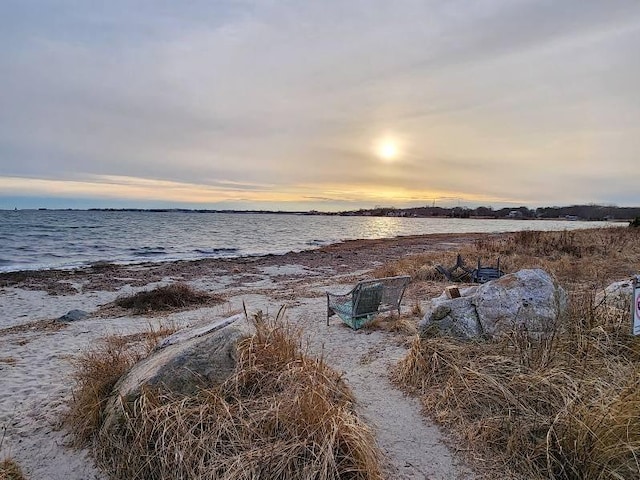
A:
528,300
617,295
190,359
455,317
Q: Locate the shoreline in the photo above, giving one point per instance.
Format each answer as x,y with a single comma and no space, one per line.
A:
47,244
435,212
355,253
36,364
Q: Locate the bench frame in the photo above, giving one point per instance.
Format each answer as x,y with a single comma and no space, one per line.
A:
461,273
368,298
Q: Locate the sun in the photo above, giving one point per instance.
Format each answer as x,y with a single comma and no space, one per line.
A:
387,150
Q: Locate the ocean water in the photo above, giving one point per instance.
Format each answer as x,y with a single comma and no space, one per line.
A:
42,239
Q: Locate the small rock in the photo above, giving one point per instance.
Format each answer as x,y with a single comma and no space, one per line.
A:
617,295
73,316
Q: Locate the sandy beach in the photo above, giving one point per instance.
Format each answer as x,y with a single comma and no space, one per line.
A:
36,353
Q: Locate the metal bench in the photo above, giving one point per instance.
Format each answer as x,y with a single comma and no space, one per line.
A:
462,273
368,298
458,273
486,274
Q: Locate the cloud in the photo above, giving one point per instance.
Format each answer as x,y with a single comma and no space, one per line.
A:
502,100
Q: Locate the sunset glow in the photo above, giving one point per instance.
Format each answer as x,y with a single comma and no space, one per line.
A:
353,104
139,189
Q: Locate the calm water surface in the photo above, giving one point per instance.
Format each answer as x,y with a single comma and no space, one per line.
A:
36,239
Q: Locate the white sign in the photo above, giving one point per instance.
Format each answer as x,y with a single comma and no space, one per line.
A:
636,306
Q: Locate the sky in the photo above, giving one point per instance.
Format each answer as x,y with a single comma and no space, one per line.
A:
328,105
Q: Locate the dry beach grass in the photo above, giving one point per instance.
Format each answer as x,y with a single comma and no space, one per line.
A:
578,259
169,297
10,470
97,370
282,414
564,407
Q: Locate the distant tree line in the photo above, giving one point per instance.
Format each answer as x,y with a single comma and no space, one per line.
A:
574,212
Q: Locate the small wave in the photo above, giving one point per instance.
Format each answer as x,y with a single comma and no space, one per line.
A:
148,251
4,262
216,251
50,228
316,243
29,267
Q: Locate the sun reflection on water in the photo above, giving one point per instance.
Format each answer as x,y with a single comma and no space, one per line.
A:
381,227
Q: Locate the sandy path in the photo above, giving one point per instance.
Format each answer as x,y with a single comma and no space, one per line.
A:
413,446
35,364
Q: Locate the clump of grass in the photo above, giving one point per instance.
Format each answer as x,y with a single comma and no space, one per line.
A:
404,323
98,370
177,295
39,325
599,437
417,310
420,267
281,414
563,407
10,470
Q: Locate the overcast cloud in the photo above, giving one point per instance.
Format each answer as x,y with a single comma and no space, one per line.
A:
264,104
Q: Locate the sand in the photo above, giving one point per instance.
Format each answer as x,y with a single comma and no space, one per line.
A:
36,353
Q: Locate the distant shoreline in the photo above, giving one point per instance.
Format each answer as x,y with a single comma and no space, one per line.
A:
586,213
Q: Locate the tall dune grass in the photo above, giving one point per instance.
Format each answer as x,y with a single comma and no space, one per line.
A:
282,414
578,258
562,408
97,370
